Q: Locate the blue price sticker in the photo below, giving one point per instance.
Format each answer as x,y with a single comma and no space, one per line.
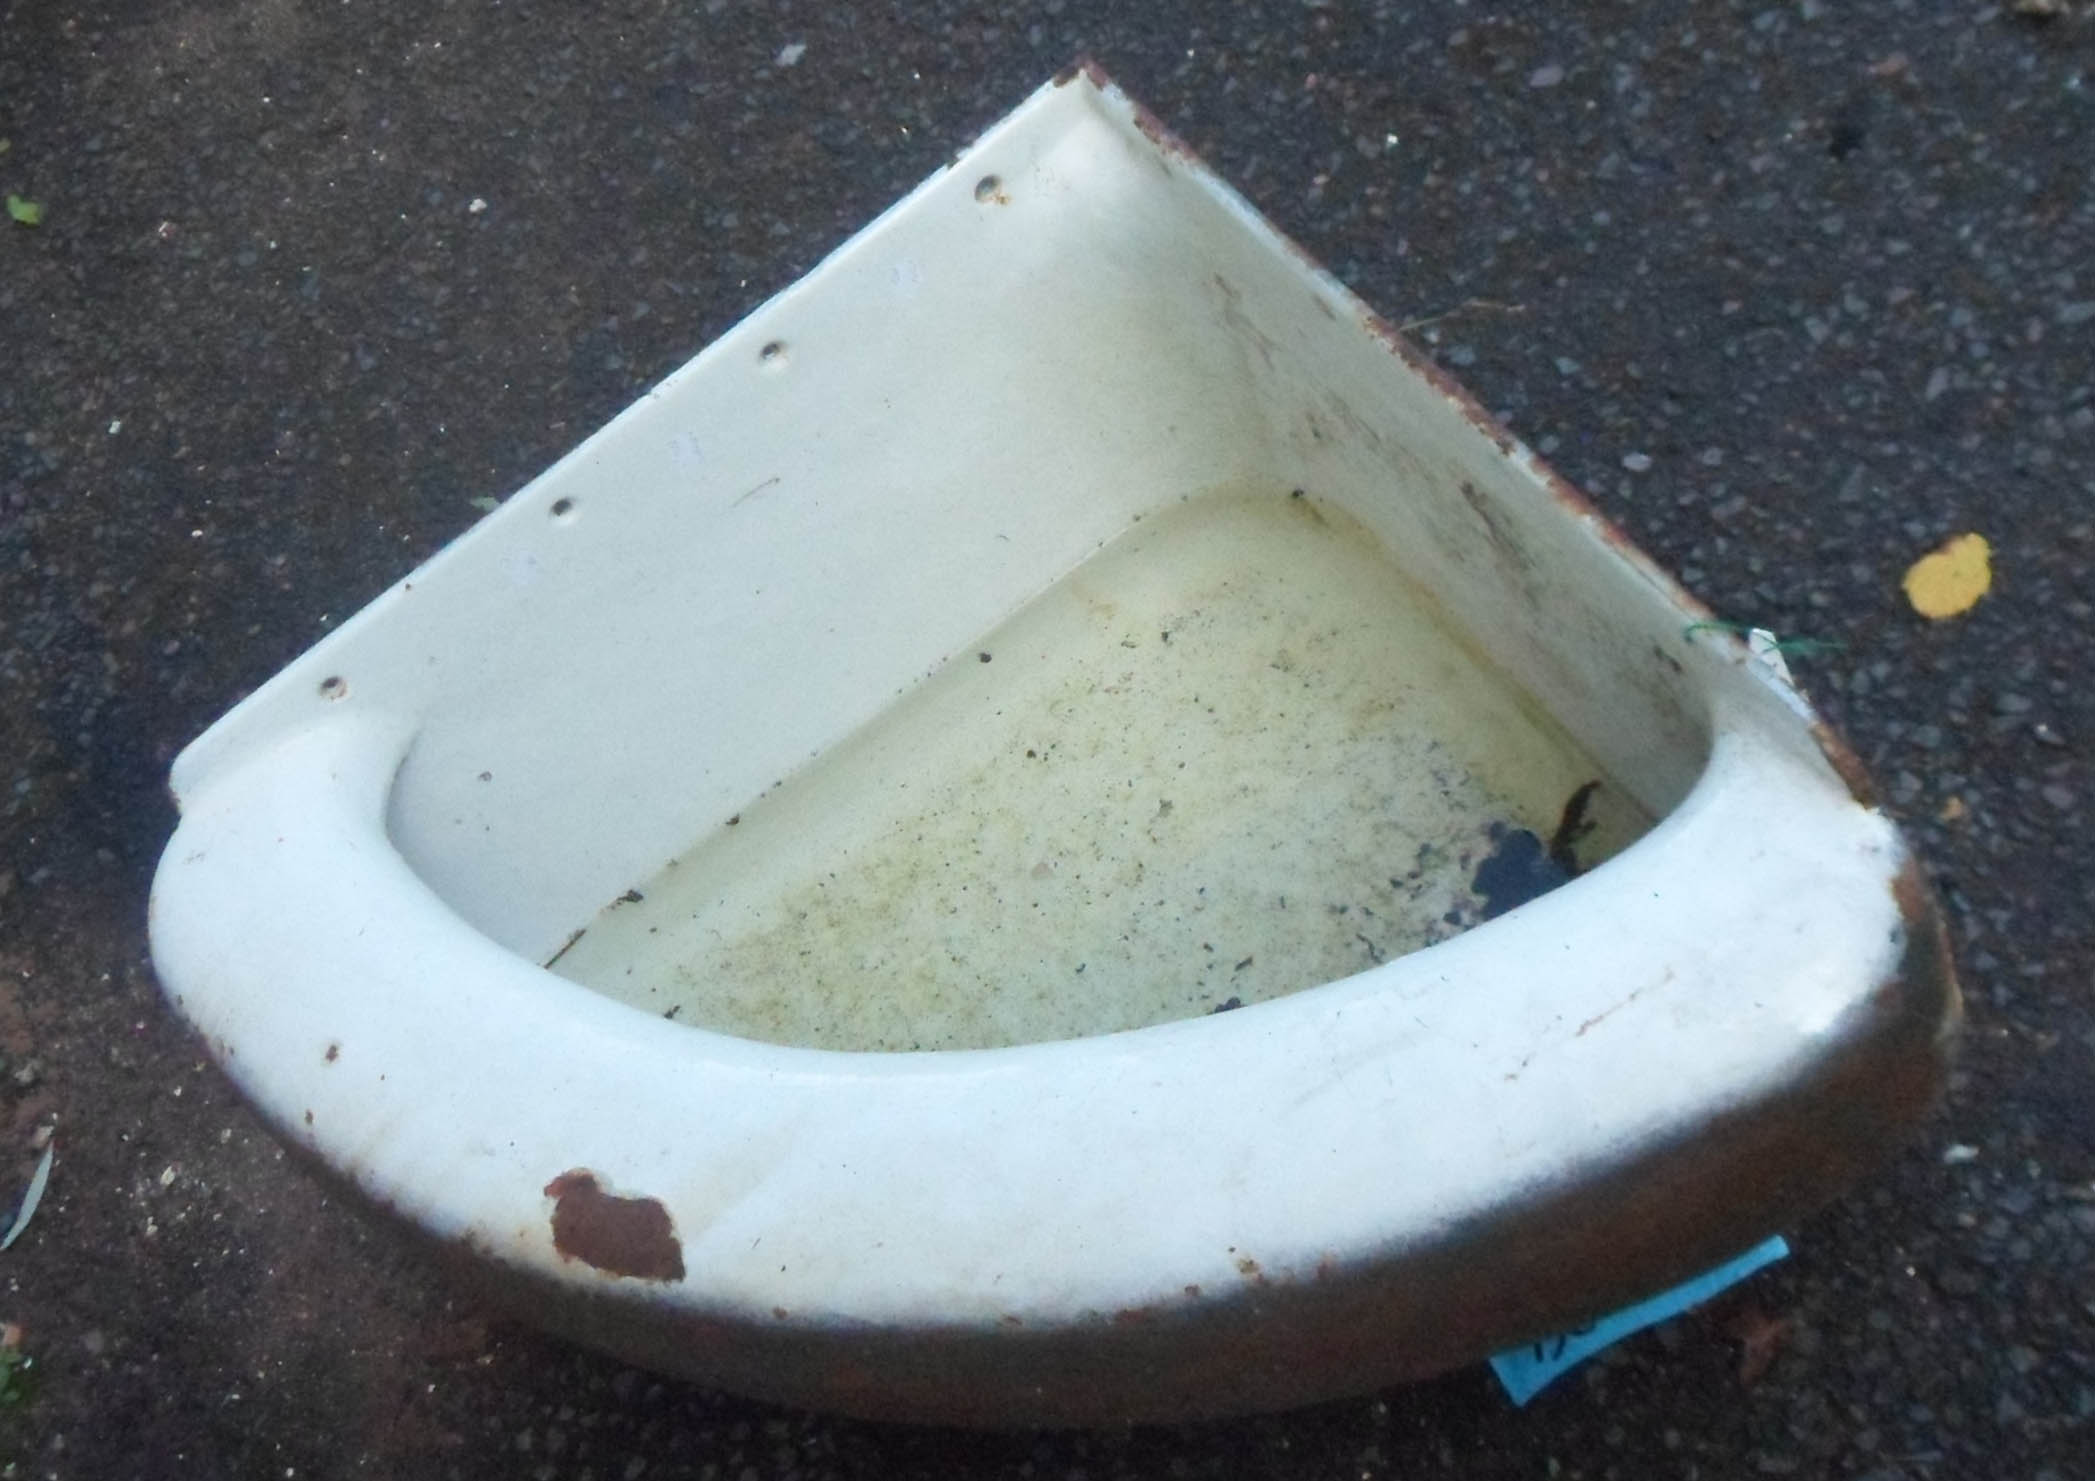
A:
1526,1371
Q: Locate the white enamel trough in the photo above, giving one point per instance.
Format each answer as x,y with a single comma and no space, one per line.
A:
1064,614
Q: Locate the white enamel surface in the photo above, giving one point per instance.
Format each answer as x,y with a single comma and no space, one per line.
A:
1080,1175
759,556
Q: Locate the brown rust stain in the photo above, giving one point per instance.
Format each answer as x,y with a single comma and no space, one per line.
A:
1471,409
1915,901
1927,964
1387,1315
1847,766
1607,1013
1153,128
619,1236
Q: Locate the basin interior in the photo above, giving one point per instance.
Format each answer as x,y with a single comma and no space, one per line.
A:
699,718
1235,754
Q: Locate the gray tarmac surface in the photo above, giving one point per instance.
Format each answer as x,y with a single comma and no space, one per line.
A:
1829,267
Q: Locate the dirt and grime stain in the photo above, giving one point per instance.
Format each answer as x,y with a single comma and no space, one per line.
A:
1505,539
1572,825
619,1236
568,945
1086,824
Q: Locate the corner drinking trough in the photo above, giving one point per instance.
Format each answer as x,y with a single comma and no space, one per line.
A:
1057,829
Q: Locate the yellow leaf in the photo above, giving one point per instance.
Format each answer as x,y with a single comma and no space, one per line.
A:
1948,581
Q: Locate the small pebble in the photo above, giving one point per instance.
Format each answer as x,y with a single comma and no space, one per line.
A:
1547,75
791,53
1637,462
2058,796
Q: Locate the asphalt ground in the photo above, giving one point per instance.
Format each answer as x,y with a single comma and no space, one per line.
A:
1794,291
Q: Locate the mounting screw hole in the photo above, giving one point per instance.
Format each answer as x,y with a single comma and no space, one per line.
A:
334,686
989,189
773,355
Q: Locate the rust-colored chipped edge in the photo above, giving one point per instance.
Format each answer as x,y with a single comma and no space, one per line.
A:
1568,495
617,1235
1849,768
1284,1337
1928,963
1153,128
